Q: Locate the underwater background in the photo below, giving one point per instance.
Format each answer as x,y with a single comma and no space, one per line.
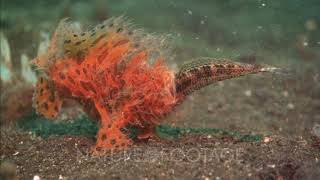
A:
284,34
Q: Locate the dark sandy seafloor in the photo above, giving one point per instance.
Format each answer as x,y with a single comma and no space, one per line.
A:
190,157
284,108
289,149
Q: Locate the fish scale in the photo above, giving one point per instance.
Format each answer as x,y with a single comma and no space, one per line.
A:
204,71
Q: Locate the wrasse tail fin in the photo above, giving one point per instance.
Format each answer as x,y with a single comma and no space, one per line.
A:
205,71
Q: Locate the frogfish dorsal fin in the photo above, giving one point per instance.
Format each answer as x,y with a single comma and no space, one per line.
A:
110,33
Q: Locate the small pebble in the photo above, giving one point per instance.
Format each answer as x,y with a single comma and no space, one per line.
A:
271,165
316,130
248,93
290,106
266,139
36,177
285,93
210,108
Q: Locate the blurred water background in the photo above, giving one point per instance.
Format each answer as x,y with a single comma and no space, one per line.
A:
284,33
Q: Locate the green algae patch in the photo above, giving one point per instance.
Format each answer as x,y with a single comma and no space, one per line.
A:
84,126
166,131
45,127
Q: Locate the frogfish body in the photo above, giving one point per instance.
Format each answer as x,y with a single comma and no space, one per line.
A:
119,76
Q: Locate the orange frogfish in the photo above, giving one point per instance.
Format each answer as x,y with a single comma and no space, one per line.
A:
120,77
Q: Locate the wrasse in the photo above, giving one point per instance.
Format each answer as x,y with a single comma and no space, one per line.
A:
119,75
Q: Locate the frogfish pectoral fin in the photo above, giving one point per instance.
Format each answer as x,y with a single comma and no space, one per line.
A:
111,139
46,99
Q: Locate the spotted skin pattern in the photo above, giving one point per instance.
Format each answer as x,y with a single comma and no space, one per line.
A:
118,74
45,99
204,71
